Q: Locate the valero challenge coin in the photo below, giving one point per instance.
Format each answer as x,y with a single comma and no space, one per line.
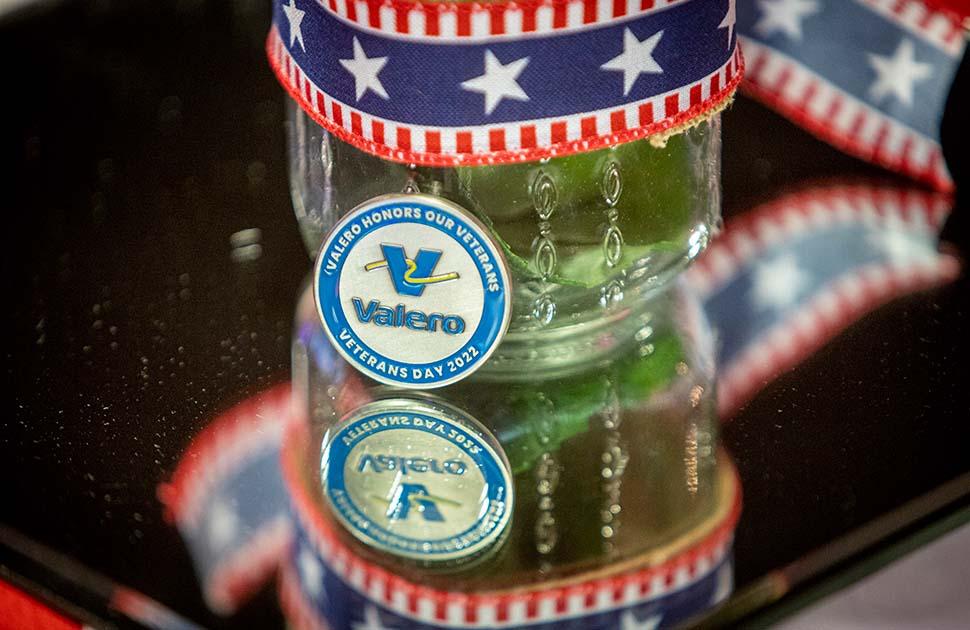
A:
412,290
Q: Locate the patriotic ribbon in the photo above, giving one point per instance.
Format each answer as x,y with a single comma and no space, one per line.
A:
870,77
781,281
443,83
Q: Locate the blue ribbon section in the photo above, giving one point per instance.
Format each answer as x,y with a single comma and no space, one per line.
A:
420,81
855,48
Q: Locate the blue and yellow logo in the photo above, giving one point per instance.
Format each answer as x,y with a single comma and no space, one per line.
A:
410,275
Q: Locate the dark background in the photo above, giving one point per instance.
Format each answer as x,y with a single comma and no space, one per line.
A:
143,135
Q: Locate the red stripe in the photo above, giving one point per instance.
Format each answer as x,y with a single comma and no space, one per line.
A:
502,610
338,115
587,127
645,585
783,79
618,121
925,20
904,164
374,13
404,138
695,95
527,137
497,16
558,132
333,5
880,141
471,612
646,5
589,11
412,602
531,607
619,8
561,602
618,591
809,95
355,124
672,105
432,141
439,609
377,130
834,108
529,18
351,10
559,15
646,114
956,32
715,84
496,139
431,19
306,91
401,17
463,141
464,12
856,127
590,600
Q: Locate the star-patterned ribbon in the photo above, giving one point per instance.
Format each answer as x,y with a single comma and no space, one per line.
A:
870,77
781,281
438,83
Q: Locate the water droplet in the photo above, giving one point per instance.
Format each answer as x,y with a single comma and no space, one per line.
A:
612,184
544,309
544,195
611,294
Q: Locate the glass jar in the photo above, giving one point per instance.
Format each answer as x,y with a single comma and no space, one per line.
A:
614,465
589,238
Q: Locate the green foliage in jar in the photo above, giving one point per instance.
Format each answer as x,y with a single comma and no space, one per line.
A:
603,210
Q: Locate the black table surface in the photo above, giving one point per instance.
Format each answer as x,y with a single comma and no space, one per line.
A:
143,135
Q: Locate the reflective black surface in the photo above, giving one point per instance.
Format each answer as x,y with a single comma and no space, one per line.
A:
145,137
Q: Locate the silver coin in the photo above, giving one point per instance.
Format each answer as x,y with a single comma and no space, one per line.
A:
417,479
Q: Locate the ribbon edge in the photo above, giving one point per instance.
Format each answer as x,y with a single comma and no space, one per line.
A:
660,129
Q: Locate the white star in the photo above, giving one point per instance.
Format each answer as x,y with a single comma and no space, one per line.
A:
365,71
222,524
730,19
785,16
636,58
629,621
295,17
900,247
725,584
498,82
311,572
372,620
897,74
778,282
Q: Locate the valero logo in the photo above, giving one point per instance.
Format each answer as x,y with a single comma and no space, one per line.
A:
410,275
